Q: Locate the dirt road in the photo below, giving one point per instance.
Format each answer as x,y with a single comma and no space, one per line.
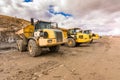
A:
98,61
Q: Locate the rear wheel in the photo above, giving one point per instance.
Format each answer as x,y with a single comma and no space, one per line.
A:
34,49
77,44
21,46
91,41
71,42
54,48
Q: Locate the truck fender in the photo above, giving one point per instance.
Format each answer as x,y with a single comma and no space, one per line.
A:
35,39
71,37
22,37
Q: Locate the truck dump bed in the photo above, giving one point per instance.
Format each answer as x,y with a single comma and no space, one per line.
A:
26,31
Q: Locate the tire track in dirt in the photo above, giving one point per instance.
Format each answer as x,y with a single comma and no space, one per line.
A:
104,44
107,44
31,74
64,63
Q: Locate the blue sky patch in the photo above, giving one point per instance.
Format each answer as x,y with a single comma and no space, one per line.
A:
28,0
52,11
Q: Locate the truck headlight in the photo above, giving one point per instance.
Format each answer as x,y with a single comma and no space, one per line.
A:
41,33
45,35
49,41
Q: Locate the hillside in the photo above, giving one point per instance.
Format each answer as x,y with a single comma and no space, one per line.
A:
12,23
8,26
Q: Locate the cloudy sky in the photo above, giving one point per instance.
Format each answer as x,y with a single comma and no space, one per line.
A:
101,16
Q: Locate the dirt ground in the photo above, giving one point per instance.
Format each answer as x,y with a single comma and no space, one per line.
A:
97,61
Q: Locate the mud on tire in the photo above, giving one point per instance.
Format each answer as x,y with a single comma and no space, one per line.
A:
34,49
21,46
54,48
71,42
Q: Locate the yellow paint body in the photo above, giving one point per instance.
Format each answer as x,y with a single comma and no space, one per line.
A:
51,33
95,37
51,40
86,38
28,32
44,42
64,32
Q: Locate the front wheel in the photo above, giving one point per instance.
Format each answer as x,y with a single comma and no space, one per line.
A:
91,41
34,49
54,48
71,42
77,44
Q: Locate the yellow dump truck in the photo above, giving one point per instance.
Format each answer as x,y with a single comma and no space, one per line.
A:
94,36
75,37
38,35
65,34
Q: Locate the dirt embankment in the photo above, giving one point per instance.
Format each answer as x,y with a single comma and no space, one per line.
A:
8,26
97,61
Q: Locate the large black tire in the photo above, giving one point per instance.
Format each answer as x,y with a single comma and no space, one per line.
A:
21,46
54,48
34,49
91,41
77,44
71,42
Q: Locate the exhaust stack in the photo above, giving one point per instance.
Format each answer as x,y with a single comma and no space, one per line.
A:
32,21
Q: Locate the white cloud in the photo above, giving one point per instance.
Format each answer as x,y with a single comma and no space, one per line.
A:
102,16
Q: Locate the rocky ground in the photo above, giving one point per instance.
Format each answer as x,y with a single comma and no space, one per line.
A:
97,61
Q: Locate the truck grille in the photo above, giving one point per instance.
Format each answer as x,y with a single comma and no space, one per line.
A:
59,36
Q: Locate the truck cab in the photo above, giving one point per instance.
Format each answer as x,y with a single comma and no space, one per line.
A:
94,35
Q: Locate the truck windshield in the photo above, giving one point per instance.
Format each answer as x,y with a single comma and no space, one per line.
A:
78,30
87,31
74,31
45,25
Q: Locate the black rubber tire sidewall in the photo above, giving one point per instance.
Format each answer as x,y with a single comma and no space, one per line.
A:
73,42
36,50
91,41
21,46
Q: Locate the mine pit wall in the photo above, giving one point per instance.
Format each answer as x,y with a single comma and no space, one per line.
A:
7,37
